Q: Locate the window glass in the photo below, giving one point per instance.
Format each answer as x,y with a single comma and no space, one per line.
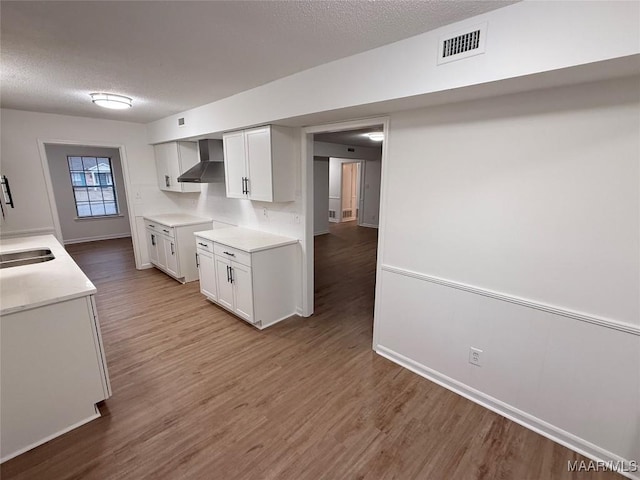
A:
93,186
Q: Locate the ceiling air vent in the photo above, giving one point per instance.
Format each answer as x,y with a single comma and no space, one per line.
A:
181,122
462,44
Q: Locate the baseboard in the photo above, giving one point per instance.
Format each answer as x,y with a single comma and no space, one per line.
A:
28,233
322,232
368,225
51,437
545,429
97,239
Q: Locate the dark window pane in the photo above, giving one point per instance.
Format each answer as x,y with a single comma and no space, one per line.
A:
81,194
97,209
89,163
110,208
75,163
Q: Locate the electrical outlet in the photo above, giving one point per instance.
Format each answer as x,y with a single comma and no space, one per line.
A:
475,356
265,213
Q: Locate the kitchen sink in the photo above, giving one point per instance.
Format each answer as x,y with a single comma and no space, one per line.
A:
28,257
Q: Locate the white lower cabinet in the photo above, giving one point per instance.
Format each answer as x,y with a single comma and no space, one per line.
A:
207,272
235,290
170,244
257,283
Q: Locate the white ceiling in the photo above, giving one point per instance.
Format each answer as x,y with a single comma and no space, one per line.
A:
170,56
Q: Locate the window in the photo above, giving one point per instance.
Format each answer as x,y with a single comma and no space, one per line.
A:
93,187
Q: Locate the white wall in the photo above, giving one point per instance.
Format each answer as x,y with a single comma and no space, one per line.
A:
320,195
369,216
408,69
81,230
22,164
513,225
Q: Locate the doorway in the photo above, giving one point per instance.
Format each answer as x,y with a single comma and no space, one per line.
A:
344,237
89,192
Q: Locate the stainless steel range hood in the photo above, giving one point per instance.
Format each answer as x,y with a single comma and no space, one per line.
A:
210,168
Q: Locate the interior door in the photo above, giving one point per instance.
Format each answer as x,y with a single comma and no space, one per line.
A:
223,282
349,191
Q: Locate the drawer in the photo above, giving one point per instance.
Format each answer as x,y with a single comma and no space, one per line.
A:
159,227
232,254
168,231
204,244
153,226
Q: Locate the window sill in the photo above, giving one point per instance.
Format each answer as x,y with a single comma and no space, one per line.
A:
101,217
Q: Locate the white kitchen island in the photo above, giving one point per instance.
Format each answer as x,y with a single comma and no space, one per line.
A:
53,367
251,273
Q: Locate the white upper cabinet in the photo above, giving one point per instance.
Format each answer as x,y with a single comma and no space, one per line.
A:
260,163
173,159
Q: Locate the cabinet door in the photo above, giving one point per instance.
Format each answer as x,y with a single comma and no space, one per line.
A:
234,164
162,252
163,153
171,255
152,246
243,291
188,156
225,288
259,168
207,273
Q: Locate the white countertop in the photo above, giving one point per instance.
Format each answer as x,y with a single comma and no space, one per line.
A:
245,239
31,286
177,219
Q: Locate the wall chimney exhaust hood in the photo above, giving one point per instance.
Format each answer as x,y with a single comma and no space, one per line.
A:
210,168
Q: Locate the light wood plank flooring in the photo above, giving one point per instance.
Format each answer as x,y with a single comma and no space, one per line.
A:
199,394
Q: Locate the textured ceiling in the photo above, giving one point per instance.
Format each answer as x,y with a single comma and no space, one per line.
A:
170,56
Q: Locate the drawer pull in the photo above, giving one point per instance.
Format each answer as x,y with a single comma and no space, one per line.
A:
203,244
165,231
152,226
230,254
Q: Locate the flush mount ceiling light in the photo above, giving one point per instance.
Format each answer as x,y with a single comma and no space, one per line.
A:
375,136
110,100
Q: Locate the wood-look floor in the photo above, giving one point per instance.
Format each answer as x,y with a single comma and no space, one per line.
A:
199,394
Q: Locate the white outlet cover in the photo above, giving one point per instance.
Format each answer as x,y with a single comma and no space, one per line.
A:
475,356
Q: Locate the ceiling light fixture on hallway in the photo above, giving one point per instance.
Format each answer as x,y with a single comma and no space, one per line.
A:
110,100
375,136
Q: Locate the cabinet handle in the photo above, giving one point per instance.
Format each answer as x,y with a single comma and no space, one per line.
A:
246,182
173,252
243,190
197,262
152,226
165,231
230,254
228,275
203,244
153,239
231,274
167,181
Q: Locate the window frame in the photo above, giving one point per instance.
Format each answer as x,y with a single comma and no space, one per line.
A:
93,181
